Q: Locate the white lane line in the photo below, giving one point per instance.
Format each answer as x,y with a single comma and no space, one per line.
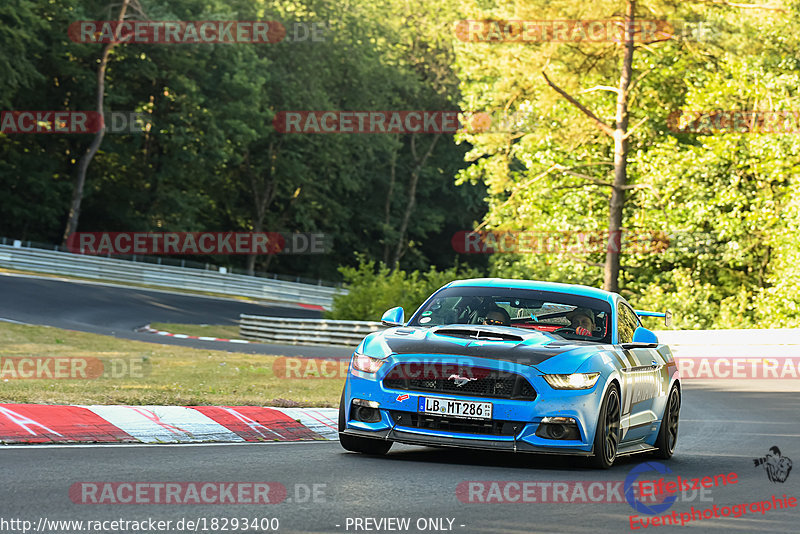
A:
149,329
4,320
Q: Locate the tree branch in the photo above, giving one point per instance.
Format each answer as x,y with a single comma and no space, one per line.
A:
602,88
605,128
630,130
639,78
580,186
588,178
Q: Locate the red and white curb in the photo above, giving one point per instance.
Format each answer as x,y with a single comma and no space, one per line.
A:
316,307
185,336
39,423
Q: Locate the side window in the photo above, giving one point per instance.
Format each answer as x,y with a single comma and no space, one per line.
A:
626,323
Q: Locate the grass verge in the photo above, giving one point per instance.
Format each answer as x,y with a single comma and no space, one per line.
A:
165,374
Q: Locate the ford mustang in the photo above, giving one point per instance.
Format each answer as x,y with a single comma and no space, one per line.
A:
512,365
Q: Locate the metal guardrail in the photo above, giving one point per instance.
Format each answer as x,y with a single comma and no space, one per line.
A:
305,331
114,270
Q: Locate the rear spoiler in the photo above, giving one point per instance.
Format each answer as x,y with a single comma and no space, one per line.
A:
667,315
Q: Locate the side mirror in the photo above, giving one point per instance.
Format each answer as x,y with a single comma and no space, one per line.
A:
668,319
643,335
394,317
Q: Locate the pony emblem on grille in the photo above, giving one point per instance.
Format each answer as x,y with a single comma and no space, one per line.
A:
460,380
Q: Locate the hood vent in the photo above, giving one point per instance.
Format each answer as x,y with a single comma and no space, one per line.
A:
478,334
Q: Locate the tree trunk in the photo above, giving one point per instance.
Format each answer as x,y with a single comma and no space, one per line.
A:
387,207
612,263
412,195
83,164
263,195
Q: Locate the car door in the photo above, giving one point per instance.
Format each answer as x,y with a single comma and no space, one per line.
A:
641,376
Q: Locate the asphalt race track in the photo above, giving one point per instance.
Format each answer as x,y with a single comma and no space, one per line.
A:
720,432
725,425
119,311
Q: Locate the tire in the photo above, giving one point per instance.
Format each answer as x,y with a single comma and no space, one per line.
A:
668,433
375,447
606,437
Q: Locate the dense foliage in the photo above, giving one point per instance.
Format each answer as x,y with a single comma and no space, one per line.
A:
212,159
376,288
727,201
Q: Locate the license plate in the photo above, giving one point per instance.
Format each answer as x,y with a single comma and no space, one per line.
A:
455,408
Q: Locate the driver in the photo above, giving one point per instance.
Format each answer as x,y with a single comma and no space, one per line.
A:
497,316
582,320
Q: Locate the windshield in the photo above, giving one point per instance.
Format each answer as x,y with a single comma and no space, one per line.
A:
570,316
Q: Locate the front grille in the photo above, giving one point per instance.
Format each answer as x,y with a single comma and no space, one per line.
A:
454,424
454,380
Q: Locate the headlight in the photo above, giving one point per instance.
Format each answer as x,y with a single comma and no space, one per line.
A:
362,362
573,381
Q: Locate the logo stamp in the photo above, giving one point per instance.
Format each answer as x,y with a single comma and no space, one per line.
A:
777,466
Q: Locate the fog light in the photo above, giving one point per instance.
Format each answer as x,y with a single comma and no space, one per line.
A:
368,415
366,403
558,428
561,420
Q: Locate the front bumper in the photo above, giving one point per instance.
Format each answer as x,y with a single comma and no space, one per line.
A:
524,415
403,435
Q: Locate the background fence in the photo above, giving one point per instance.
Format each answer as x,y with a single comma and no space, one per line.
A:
305,331
167,276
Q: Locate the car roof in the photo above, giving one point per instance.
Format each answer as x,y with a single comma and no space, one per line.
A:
571,289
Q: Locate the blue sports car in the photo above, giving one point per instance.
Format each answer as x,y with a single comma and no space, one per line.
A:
514,365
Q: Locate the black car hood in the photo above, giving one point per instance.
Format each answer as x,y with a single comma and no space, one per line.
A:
492,342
